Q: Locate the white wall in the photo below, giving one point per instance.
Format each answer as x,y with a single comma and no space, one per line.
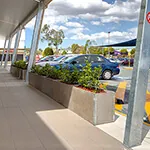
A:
21,44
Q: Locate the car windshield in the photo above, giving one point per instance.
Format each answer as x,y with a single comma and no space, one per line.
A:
64,59
44,58
68,59
59,58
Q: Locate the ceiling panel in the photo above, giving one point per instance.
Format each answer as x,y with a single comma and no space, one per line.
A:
13,12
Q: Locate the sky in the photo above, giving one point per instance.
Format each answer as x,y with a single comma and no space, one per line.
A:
90,19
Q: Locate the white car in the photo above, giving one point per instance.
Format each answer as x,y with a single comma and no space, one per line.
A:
58,60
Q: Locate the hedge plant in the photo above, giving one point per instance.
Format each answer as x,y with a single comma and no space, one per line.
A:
20,64
87,78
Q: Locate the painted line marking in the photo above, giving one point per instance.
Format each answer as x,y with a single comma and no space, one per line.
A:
118,106
126,115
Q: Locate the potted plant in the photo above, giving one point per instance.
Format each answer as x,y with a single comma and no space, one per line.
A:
18,69
80,91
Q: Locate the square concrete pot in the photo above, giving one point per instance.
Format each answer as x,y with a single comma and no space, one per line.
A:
14,71
22,74
17,72
95,108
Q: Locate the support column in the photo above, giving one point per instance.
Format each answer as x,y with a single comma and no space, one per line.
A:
137,97
8,49
35,39
2,58
16,45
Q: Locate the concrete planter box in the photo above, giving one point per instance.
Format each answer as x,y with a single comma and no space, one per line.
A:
95,108
17,72
14,71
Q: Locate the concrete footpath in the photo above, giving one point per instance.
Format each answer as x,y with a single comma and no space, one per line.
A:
32,121
117,129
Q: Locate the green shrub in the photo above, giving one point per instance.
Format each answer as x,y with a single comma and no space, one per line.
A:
48,51
43,71
70,77
47,70
55,73
89,78
20,64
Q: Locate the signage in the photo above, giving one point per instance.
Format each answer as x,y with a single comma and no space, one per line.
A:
148,17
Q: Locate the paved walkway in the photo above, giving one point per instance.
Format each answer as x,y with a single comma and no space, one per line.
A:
117,128
29,120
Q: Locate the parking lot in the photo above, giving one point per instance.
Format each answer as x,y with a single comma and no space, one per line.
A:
120,84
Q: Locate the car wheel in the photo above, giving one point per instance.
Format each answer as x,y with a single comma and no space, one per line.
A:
107,74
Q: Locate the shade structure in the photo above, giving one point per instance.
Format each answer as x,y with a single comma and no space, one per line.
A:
16,13
125,44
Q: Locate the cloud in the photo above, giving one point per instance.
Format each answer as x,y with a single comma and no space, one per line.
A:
74,24
61,12
122,10
63,28
115,36
96,23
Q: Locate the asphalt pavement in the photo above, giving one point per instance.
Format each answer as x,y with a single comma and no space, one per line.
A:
120,84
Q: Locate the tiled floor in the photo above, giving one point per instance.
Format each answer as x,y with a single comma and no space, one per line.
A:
117,128
29,120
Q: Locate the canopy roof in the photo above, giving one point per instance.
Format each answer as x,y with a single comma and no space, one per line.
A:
14,13
122,44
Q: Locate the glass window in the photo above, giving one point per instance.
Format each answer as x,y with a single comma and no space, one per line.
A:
95,59
81,59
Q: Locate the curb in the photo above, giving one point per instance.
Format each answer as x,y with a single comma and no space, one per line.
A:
128,68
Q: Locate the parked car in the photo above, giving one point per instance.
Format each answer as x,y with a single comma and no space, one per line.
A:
117,60
113,60
47,58
127,61
56,61
109,69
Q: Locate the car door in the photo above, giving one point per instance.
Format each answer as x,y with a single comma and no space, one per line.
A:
80,61
96,61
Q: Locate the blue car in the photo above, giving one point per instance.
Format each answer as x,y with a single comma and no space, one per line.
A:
109,69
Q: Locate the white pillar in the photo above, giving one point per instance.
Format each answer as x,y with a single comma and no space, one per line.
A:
8,49
137,97
35,39
2,58
17,40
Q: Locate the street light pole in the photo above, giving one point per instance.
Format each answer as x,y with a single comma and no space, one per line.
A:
108,44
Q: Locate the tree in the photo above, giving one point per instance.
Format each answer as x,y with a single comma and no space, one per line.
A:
95,50
133,51
124,51
54,37
74,48
88,44
39,52
64,52
111,50
48,51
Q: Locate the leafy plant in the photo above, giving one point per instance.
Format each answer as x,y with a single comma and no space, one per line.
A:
48,51
20,64
64,52
55,73
70,77
89,78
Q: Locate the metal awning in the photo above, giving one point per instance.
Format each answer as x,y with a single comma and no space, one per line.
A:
14,13
122,44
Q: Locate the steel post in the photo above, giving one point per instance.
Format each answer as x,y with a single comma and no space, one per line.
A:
137,97
7,54
17,40
2,58
35,39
